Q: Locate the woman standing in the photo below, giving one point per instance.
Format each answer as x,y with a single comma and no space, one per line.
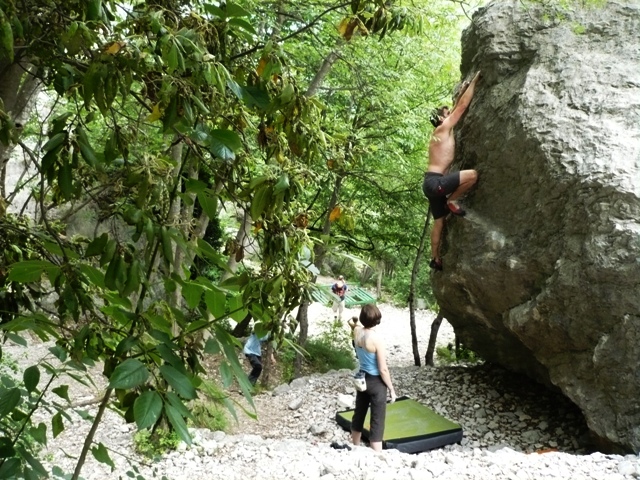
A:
372,356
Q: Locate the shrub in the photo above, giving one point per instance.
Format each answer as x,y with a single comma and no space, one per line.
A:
155,444
324,355
448,354
210,415
210,412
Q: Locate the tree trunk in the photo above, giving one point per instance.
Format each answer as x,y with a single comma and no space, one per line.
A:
242,328
319,253
267,365
303,321
435,326
322,73
18,90
174,298
412,288
241,242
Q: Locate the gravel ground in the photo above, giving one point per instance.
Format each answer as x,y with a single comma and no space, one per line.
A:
513,428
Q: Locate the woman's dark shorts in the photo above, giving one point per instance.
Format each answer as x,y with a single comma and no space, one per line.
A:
436,187
376,396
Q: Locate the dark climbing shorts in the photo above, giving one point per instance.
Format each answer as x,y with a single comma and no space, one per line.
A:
436,187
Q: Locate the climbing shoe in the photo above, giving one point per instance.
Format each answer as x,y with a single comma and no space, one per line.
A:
455,209
436,264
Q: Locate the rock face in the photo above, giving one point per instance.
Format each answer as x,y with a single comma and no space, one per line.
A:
543,276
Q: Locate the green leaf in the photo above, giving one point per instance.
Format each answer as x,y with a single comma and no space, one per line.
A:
95,276
6,448
94,9
125,345
9,399
33,462
212,346
170,116
31,270
165,240
194,186
196,325
207,251
65,180
87,151
178,381
39,433
10,468
283,184
178,423
31,378
6,38
227,374
236,308
243,24
147,409
166,352
256,97
54,142
209,202
57,426
235,10
235,88
216,303
192,293
214,10
129,374
62,391
260,201
224,143
171,58
175,401
14,337
102,455
96,247
114,270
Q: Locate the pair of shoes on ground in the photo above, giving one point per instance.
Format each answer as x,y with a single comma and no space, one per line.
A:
436,264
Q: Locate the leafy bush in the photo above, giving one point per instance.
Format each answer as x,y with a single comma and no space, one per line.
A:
210,412
448,355
210,415
155,444
325,356
331,350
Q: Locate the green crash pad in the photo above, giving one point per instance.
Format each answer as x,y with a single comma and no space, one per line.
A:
410,427
355,296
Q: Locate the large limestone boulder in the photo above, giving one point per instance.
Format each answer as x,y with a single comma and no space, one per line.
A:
543,276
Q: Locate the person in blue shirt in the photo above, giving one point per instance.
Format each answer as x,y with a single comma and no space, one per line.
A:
253,351
372,356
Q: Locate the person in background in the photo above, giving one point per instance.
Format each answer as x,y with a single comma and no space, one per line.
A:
340,290
253,351
372,357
